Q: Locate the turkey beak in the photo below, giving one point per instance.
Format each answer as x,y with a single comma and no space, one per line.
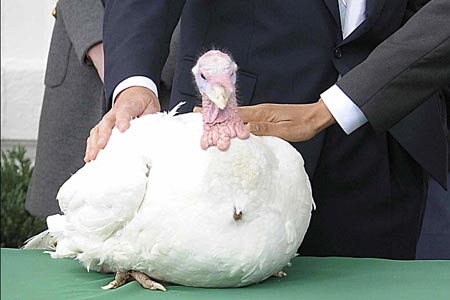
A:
219,96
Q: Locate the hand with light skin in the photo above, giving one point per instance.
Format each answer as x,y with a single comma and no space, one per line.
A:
95,54
291,122
131,103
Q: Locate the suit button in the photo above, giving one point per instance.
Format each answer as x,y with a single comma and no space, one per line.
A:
338,52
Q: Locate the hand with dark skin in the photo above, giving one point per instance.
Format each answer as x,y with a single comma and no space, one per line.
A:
291,122
131,103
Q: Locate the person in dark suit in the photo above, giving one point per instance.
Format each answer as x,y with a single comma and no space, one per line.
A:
288,53
73,100
397,77
400,74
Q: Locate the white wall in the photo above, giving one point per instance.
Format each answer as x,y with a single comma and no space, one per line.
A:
26,27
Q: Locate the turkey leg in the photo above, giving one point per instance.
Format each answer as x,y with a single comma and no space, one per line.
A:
144,280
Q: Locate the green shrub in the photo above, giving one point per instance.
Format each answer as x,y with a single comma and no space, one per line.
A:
17,224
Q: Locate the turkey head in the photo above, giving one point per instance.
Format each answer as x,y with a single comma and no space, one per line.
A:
215,76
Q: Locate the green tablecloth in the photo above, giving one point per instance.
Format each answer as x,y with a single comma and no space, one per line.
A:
31,274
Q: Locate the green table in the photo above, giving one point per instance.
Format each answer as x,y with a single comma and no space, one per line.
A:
31,274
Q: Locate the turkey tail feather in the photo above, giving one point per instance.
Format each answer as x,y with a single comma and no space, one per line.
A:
47,239
44,241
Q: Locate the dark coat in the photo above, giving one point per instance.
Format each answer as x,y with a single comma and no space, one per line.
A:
290,52
400,75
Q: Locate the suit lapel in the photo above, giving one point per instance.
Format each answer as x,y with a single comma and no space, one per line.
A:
333,8
373,11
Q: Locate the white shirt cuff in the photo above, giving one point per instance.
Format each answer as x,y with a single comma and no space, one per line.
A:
346,113
135,81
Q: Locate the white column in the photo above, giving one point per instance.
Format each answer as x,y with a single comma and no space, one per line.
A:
26,27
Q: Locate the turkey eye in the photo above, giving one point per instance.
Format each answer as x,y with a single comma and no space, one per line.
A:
203,76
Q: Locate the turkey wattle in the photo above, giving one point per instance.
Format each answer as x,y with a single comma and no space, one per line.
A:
162,201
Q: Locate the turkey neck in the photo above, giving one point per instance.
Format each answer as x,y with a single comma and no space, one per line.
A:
221,125
213,116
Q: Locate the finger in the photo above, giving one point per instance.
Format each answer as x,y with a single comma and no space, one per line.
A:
257,113
91,145
99,136
197,109
123,119
249,114
104,133
104,129
264,129
261,128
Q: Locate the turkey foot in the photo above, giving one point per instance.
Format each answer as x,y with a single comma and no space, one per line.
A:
144,280
280,274
120,279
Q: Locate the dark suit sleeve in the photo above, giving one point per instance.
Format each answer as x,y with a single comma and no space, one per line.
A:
405,70
413,6
137,38
84,21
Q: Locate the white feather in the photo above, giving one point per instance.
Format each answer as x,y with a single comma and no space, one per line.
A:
43,241
154,201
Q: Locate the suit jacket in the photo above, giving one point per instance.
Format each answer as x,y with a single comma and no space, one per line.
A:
287,53
402,73
73,102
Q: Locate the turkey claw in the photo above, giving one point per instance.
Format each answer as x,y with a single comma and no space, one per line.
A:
111,285
120,279
146,282
280,274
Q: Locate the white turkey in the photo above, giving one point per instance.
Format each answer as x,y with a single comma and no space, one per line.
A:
191,199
